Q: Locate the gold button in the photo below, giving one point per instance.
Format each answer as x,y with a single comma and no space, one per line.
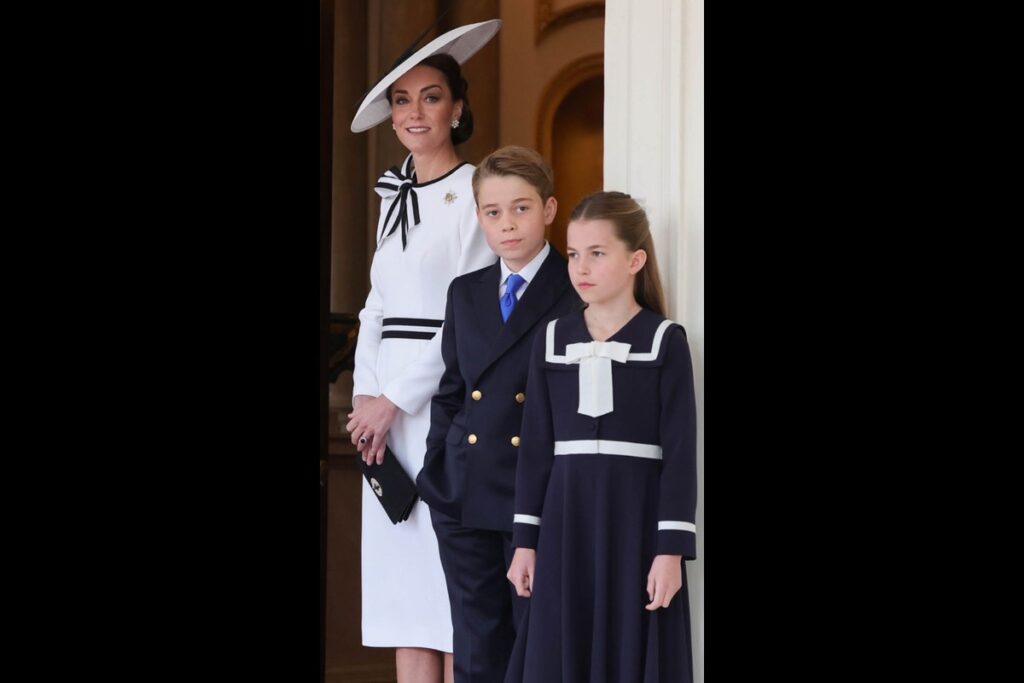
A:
515,441
477,395
472,438
520,397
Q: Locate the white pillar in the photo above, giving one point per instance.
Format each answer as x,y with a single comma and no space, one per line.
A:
654,150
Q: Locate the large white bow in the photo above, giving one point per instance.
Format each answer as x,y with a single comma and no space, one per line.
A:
595,361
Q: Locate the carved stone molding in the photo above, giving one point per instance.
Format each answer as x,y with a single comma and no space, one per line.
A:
549,19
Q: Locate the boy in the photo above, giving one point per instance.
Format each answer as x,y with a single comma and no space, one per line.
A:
469,469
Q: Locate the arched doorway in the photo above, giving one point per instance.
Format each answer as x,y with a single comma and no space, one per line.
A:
578,154
571,137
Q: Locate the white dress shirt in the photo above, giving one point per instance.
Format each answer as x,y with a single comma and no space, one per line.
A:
528,272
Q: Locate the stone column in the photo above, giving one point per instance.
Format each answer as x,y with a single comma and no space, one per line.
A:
654,150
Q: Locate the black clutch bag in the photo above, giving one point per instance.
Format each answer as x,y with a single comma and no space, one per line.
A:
395,490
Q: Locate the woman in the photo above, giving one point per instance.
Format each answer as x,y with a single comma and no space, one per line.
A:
427,234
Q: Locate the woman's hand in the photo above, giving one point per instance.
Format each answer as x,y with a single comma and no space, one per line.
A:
664,580
520,572
369,423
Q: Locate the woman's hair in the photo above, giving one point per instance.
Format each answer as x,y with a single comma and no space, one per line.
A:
521,162
631,227
458,86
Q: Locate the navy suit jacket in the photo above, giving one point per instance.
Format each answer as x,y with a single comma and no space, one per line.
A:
469,469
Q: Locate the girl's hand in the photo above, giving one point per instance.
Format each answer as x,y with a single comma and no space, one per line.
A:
520,572
664,580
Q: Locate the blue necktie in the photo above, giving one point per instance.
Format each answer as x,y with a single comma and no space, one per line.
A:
508,299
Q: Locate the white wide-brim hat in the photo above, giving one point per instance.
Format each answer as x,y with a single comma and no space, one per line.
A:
461,43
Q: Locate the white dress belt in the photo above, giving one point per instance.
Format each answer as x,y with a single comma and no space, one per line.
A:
606,447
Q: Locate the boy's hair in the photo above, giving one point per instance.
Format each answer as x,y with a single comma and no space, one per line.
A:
517,161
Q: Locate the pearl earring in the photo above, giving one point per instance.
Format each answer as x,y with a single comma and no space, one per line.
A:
393,127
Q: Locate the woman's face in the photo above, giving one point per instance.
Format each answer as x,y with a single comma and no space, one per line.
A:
422,110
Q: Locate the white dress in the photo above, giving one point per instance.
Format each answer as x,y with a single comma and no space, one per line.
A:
404,597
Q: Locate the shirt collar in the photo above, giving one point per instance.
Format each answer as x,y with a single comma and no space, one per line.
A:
529,271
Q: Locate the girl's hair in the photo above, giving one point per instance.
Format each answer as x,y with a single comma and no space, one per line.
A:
631,227
458,85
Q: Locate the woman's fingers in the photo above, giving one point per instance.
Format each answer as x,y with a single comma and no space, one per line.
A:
363,441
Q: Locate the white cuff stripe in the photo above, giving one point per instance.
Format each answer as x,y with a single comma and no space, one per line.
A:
605,447
677,526
526,519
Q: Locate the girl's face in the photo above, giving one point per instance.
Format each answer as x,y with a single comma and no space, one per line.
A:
601,267
422,110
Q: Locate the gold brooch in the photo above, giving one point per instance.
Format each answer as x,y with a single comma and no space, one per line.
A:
450,197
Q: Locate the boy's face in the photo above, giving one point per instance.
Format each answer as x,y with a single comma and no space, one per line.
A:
513,218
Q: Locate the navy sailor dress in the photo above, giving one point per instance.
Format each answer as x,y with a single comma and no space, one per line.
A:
606,480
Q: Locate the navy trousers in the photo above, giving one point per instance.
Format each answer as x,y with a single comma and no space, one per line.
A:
485,607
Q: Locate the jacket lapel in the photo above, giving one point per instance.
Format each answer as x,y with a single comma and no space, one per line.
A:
485,304
543,292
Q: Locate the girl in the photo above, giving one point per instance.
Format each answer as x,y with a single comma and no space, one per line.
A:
606,477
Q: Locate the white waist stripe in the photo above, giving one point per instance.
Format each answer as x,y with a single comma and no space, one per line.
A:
526,519
677,526
605,447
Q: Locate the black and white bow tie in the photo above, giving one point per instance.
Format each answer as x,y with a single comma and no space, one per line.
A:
398,187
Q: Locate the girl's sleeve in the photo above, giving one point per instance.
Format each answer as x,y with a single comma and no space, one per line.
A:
536,452
677,501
